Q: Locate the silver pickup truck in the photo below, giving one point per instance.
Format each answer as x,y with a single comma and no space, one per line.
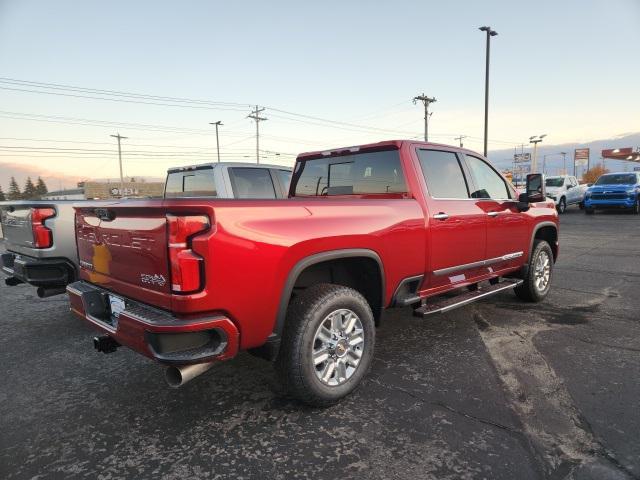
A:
39,235
40,242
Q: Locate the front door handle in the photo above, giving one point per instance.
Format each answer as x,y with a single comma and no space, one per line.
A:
441,216
493,214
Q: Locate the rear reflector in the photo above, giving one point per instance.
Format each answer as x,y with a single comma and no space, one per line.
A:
42,236
186,266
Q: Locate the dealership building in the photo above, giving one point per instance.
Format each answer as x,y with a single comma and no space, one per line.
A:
99,190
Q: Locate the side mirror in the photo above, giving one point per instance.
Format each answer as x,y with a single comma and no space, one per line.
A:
589,184
535,188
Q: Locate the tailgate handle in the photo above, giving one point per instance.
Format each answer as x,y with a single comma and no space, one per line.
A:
105,214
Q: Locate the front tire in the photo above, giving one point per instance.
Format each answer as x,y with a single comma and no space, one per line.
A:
537,282
589,210
327,345
562,206
636,207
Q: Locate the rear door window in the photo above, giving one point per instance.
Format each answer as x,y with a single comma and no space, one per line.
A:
443,173
191,183
252,183
487,182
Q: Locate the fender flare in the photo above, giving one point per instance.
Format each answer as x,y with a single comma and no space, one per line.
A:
533,235
306,262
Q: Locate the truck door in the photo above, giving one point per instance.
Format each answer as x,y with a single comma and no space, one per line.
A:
456,239
507,227
573,193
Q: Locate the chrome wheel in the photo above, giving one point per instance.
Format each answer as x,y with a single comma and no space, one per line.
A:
542,271
338,345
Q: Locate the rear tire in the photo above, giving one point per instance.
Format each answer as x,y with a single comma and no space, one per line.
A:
327,344
537,283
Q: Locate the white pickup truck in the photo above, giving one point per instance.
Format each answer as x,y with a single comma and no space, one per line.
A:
565,190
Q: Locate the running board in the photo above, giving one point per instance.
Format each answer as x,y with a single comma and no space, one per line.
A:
449,303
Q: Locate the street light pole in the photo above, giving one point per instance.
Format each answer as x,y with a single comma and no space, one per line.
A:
535,140
217,124
490,33
120,137
564,162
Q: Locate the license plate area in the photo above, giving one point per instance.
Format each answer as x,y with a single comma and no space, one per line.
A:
104,307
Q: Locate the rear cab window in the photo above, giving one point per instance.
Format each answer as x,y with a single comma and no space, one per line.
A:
358,173
190,183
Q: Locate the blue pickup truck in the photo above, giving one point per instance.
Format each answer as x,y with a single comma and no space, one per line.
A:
614,190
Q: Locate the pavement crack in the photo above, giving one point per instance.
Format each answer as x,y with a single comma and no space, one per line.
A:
449,408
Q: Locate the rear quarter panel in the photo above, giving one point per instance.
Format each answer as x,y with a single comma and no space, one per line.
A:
257,244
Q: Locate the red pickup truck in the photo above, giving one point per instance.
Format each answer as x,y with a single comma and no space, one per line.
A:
303,281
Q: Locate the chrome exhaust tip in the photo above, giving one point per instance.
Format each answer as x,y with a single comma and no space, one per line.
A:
176,376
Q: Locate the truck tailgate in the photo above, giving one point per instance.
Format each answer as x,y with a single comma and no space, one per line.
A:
16,225
124,248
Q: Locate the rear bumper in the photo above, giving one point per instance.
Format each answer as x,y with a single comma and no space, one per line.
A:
155,333
39,272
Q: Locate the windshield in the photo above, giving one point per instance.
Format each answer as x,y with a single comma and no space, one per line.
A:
554,182
617,179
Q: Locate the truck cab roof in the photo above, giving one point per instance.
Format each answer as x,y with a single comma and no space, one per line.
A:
200,166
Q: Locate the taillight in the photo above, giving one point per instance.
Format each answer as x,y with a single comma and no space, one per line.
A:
42,236
186,266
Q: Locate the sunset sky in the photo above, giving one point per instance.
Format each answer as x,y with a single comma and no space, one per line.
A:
329,73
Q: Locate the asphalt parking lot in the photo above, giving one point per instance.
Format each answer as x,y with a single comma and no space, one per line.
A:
496,390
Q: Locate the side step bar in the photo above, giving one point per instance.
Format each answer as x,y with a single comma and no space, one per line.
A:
444,304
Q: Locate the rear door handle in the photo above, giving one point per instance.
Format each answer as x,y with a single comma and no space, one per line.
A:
441,216
493,214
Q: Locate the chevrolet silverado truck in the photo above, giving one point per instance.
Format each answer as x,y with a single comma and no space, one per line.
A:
40,237
304,281
40,243
565,190
614,190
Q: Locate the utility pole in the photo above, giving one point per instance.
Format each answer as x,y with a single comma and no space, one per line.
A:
217,124
536,139
461,137
120,137
427,101
490,33
255,115
564,162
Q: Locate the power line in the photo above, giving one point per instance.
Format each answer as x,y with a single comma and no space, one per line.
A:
117,93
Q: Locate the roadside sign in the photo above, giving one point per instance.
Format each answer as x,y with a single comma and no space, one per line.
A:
581,156
522,169
521,157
